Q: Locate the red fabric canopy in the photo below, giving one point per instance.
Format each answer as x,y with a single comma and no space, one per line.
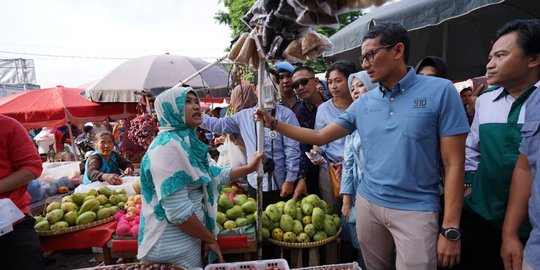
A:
59,105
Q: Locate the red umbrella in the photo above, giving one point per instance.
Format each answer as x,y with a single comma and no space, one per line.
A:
58,106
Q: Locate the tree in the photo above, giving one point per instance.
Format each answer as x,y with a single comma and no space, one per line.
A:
233,18
238,8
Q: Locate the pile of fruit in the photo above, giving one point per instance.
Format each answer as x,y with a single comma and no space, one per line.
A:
140,266
128,222
302,221
82,208
235,209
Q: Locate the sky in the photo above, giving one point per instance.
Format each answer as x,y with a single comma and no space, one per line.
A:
75,42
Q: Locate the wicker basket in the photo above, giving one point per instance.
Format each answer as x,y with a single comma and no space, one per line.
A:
126,265
305,245
76,228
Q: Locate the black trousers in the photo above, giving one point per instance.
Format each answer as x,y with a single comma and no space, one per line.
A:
269,197
21,248
480,244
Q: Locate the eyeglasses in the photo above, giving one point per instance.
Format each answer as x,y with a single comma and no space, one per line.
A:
369,56
302,82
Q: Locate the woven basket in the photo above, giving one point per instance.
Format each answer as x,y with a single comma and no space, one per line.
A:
305,245
76,228
126,265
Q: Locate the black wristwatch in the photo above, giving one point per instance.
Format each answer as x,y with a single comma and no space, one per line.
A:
450,233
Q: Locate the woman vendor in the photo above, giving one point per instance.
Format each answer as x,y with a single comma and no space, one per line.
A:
179,186
104,164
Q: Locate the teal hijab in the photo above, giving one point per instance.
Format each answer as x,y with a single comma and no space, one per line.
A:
191,162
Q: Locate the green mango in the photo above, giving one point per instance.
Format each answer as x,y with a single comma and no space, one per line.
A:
53,206
42,226
86,218
55,216
59,225
71,217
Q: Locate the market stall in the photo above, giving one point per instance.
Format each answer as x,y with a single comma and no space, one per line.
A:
278,30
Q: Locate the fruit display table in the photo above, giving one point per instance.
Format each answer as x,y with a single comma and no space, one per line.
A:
92,237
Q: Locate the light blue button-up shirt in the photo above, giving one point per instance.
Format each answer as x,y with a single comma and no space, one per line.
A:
530,146
400,132
286,150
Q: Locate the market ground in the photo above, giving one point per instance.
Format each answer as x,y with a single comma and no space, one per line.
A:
85,258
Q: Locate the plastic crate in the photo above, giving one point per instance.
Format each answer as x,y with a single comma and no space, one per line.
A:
343,266
259,265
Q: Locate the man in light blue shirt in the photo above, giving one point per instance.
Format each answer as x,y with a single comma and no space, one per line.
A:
285,152
406,127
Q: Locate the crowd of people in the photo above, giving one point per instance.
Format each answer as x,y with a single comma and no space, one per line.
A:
423,176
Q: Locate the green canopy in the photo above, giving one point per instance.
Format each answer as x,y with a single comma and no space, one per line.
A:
459,31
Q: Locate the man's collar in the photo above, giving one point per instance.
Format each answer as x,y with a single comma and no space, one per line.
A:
402,85
505,92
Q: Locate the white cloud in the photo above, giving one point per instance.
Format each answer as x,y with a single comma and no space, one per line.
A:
106,28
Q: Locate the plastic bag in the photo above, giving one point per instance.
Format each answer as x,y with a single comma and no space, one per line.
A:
231,155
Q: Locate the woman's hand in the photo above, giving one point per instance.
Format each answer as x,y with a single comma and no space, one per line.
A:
317,151
256,161
261,114
214,246
338,166
111,178
347,206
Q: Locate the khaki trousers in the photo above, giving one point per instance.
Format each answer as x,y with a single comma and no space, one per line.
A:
413,235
